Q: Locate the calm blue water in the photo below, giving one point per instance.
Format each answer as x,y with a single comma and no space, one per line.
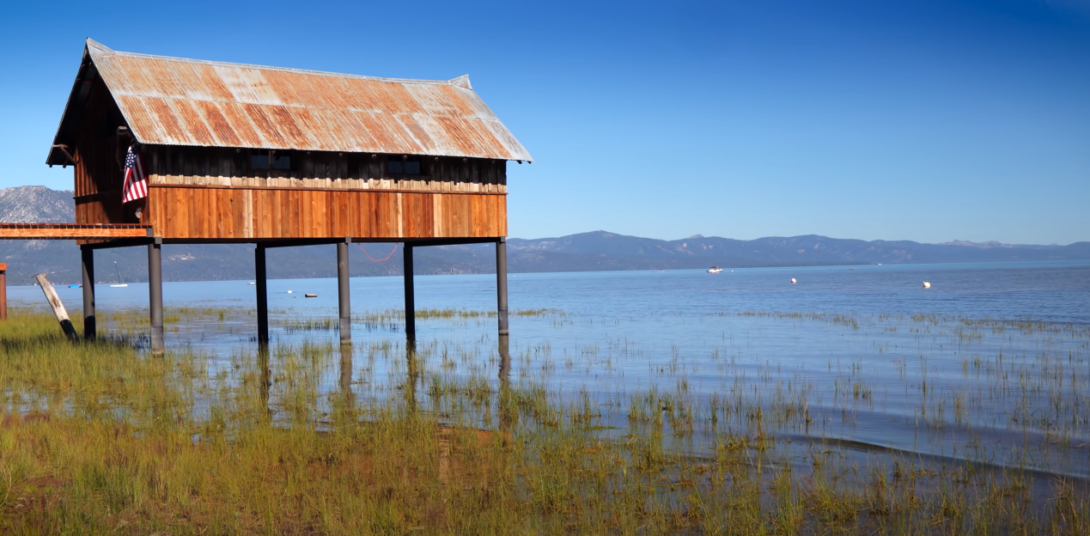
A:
1053,292
868,354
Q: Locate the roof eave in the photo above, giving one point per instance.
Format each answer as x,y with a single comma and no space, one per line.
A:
56,156
81,89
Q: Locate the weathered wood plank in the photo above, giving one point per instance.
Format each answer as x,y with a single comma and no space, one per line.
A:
247,213
262,218
10,231
58,308
178,205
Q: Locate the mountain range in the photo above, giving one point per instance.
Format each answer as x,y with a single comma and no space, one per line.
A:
598,250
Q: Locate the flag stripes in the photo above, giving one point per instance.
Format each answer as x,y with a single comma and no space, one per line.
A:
136,184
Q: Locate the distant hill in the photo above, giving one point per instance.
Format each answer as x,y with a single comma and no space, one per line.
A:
36,204
699,251
598,250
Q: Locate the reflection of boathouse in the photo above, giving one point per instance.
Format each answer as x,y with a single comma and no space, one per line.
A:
277,157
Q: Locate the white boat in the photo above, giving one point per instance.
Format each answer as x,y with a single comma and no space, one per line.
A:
120,282
714,270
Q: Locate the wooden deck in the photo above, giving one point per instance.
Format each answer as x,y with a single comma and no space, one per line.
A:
72,231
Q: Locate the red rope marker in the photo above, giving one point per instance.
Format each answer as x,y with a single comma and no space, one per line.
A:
384,259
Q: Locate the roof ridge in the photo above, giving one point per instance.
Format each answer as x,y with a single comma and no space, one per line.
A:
186,102
97,49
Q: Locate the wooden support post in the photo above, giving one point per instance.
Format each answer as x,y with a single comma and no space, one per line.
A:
87,255
342,292
58,307
501,286
262,296
155,296
410,298
508,405
3,291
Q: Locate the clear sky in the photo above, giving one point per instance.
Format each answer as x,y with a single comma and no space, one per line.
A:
921,120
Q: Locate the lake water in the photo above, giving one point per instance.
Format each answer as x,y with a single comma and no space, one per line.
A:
990,364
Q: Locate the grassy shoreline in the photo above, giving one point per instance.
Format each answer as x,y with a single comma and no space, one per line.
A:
102,438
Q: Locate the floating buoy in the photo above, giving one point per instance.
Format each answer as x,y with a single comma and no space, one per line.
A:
289,292
253,282
926,284
793,281
310,295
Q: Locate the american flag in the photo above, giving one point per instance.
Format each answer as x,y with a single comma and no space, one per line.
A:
136,185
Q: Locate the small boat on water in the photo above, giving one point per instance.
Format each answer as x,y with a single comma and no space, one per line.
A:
714,270
120,282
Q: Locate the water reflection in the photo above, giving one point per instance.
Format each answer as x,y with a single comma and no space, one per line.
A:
508,406
266,378
504,345
923,372
346,375
413,377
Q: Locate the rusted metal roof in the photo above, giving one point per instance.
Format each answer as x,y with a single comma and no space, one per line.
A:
174,101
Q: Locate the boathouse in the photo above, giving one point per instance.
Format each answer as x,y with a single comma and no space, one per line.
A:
276,157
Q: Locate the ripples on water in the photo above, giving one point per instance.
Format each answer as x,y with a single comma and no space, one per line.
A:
991,364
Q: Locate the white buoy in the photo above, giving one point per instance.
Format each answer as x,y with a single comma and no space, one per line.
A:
793,281
926,284
289,292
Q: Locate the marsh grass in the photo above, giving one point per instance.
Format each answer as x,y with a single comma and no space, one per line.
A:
102,438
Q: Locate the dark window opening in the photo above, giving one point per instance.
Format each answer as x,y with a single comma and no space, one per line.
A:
259,160
407,166
278,160
281,161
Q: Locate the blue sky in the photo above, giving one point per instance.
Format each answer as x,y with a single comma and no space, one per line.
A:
921,120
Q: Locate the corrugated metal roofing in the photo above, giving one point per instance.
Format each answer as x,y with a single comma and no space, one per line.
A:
174,101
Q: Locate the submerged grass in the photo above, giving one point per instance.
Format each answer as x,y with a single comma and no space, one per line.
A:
102,438
392,320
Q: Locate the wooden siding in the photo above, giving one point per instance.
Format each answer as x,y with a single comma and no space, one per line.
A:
225,167
211,193
202,213
99,167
